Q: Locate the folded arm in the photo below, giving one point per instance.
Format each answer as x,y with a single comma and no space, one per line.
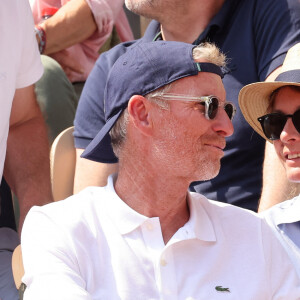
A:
72,24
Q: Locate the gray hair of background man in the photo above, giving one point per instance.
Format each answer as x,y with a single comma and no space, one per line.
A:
205,52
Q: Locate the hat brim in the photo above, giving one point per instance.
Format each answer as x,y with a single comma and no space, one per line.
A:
101,142
254,101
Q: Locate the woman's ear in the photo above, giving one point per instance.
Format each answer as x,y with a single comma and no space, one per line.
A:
138,109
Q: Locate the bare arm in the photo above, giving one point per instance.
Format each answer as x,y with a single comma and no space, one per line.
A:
27,168
72,24
90,173
276,187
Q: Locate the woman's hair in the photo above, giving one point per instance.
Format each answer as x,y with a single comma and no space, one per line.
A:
275,93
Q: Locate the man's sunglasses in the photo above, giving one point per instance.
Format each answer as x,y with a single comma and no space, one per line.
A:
273,124
211,103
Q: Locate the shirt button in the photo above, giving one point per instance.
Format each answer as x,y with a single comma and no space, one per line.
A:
163,262
149,226
189,298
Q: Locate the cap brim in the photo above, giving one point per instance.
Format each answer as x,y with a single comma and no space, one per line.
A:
101,142
254,101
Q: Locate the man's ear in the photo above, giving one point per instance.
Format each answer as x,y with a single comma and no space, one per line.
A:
138,109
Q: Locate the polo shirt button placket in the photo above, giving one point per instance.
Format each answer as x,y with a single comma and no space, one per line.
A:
163,262
167,271
149,226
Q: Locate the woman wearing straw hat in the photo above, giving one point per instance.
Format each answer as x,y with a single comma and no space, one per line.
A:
273,110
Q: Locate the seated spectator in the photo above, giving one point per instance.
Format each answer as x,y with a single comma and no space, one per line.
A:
144,236
71,39
273,110
24,148
264,29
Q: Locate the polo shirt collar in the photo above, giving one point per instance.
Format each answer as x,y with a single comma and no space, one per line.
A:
124,217
152,30
287,212
127,220
219,21
200,223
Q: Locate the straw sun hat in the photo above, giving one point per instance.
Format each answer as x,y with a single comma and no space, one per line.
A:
254,98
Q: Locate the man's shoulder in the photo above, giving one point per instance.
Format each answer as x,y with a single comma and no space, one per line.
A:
114,53
221,207
109,57
75,208
286,211
227,214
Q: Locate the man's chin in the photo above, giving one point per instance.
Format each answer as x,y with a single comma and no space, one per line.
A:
209,173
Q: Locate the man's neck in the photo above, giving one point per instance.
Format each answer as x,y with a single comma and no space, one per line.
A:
153,195
187,25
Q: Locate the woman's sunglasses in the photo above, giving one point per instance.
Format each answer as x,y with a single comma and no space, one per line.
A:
273,124
211,103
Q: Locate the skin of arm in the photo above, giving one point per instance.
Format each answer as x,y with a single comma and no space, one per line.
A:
27,167
276,187
72,24
90,173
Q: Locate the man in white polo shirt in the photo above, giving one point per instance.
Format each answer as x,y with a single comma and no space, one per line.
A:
24,150
144,236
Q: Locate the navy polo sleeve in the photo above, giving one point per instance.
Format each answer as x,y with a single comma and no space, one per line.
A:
89,117
276,26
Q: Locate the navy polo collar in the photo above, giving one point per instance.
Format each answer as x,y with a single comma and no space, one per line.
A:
219,22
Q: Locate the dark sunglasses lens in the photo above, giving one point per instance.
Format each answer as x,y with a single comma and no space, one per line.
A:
212,108
229,110
273,125
296,120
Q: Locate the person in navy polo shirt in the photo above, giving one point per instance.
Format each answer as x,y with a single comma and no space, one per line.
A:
254,34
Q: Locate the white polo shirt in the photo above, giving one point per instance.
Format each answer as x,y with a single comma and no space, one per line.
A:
284,219
20,63
93,246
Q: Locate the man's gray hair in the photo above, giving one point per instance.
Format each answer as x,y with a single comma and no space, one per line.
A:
205,51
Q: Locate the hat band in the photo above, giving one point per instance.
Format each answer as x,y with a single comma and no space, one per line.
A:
210,68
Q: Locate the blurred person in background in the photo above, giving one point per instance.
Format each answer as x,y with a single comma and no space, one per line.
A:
255,35
24,148
70,35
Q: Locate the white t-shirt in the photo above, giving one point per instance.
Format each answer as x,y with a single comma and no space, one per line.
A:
93,246
20,64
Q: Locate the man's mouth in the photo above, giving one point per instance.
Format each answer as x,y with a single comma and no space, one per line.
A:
220,146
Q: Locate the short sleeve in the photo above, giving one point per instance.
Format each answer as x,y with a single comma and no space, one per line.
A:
276,26
90,117
51,268
30,68
283,280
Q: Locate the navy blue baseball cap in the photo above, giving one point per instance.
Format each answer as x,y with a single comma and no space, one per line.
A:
144,68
